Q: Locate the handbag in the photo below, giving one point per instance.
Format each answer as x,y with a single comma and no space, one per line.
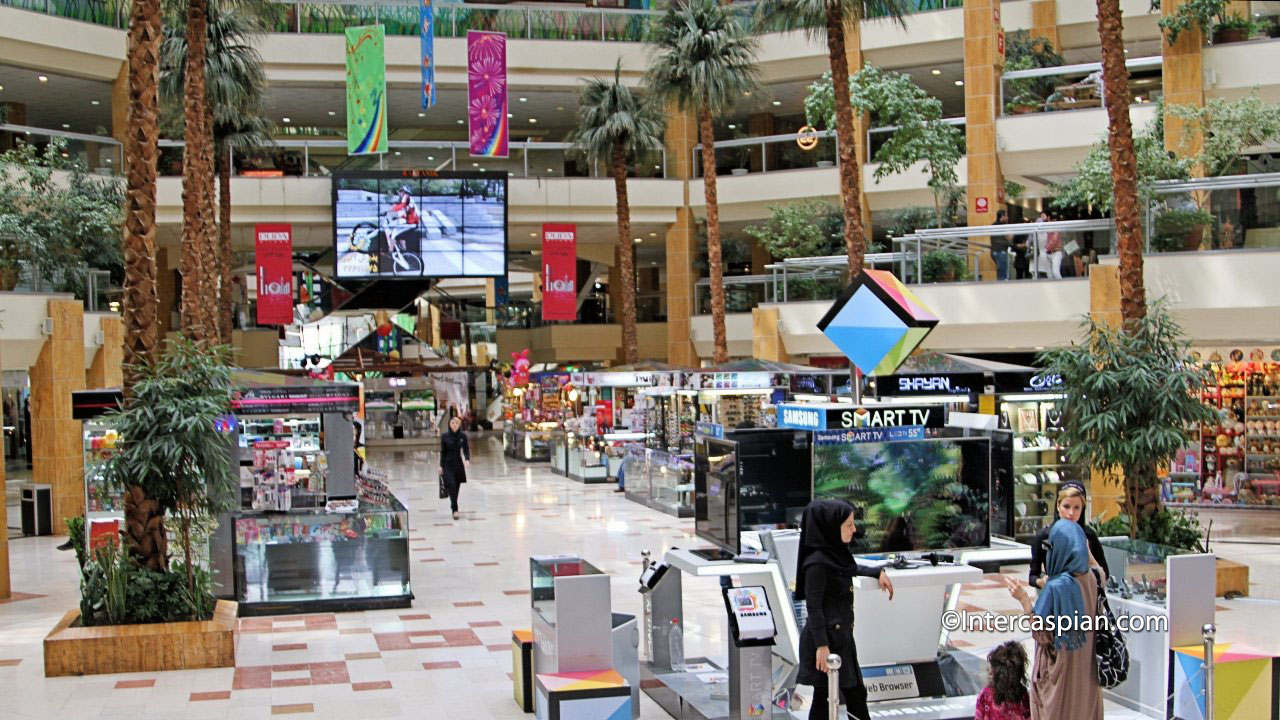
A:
1109,644
1054,243
443,492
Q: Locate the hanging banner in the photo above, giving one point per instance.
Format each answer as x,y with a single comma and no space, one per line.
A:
366,90
559,272
426,30
488,127
273,252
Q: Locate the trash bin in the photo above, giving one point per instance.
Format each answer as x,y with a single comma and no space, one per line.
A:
626,655
37,509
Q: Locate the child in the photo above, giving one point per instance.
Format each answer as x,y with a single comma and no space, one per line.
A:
1005,696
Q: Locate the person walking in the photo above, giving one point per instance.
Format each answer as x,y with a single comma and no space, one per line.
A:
1048,250
1064,680
823,581
455,460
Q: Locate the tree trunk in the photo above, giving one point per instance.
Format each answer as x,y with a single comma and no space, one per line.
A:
626,259
186,555
225,323
1124,163
721,353
144,532
196,177
850,171
141,152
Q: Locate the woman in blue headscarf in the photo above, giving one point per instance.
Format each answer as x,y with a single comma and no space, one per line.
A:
1064,678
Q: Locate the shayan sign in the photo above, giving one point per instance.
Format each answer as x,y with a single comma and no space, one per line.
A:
937,384
845,417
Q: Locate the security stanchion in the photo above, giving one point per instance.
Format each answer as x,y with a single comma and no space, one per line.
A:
1210,632
833,687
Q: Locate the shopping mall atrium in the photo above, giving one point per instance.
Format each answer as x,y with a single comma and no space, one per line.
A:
638,358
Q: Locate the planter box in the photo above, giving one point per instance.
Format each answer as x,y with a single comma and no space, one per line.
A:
1232,577
141,648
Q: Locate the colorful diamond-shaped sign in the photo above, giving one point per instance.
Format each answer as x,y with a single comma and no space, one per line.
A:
877,322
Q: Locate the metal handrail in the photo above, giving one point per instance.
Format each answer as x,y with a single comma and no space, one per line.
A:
82,137
1224,182
1132,64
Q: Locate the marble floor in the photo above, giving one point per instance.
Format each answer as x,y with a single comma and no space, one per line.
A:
447,657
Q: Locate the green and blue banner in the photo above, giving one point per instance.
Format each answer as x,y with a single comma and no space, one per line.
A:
426,29
366,90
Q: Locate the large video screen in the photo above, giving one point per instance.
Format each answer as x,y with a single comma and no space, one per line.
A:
911,495
414,224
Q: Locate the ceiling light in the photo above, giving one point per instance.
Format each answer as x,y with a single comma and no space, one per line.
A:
475,164
597,286
108,161
94,102
461,122
732,126
422,114
747,93
285,119
397,152
533,120
332,113
653,234
560,107
43,78
959,83
524,99
431,157
64,125
533,234
935,71
550,170
509,115
1,87
776,103
639,240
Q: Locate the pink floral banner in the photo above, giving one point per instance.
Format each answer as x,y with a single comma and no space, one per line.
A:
487,93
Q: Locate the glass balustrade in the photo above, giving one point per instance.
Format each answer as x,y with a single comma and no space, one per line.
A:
1075,87
96,154
1226,213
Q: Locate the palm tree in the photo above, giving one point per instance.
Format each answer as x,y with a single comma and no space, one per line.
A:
704,64
235,86
198,294
827,18
144,521
615,128
1124,162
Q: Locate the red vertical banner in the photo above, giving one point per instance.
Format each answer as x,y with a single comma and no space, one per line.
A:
273,251
559,271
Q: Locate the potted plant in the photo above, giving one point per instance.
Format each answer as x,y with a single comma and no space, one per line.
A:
1024,102
1233,28
943,266
1180,229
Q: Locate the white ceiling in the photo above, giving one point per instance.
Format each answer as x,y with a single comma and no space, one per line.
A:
60,100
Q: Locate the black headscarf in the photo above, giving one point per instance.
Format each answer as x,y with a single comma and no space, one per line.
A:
820,541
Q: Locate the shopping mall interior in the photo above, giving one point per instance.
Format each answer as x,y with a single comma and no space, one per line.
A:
465,360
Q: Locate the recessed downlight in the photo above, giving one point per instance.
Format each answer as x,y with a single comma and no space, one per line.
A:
935,71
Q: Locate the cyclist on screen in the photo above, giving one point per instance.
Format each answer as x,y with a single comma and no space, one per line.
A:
404,209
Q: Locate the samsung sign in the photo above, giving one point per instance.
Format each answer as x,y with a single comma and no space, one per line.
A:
937,384
846,417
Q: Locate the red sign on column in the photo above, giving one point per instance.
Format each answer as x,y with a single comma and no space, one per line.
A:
559,271
273,251
981,205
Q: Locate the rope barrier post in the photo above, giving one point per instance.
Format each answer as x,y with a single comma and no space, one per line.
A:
833,687
1210,632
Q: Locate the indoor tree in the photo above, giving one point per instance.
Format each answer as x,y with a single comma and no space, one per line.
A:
198,231
616,129
1130,394
805,228
1124,162
826,19
704,63
235,88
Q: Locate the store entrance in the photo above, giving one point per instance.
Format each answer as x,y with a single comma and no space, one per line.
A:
17,442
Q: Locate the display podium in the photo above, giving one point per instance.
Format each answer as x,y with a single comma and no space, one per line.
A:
906,629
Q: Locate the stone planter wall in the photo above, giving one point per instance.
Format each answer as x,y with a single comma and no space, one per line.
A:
141,648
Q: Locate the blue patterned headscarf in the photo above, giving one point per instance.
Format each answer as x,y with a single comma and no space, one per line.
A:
1061,598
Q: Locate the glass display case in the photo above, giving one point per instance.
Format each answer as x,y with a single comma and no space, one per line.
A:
531,442
635,472
586,459
1138,568
568,587
380,411
560,452
349,560
1038,464
671,484
99,444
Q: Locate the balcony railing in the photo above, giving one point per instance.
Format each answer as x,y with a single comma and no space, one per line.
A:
1223,213
312,158
1075,87
99,154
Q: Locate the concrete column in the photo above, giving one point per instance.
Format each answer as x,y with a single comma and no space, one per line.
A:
861,121
490,299
57,452
682,242
16,115
120,105
766,335
1044,21
1105,495
107,370
1183,74
983,64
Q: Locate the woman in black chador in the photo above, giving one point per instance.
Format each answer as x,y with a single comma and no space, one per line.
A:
455,460
824,582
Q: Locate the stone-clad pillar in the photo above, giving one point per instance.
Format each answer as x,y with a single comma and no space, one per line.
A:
107,370
983,65
682,242
1105,495
766,335
1183,75
57,452
1044,21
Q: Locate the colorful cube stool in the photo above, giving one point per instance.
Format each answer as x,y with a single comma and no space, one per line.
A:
1243,683
601,695
522,668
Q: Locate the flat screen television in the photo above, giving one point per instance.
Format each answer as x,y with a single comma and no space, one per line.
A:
751,480
419,224
912,495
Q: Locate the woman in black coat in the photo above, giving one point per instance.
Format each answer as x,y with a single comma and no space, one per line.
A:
824,582
455,460
1069,506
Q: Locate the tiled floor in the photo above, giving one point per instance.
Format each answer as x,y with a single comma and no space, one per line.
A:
448,656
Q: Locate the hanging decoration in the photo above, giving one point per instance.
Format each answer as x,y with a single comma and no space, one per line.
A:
426,28
488,127
366,90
